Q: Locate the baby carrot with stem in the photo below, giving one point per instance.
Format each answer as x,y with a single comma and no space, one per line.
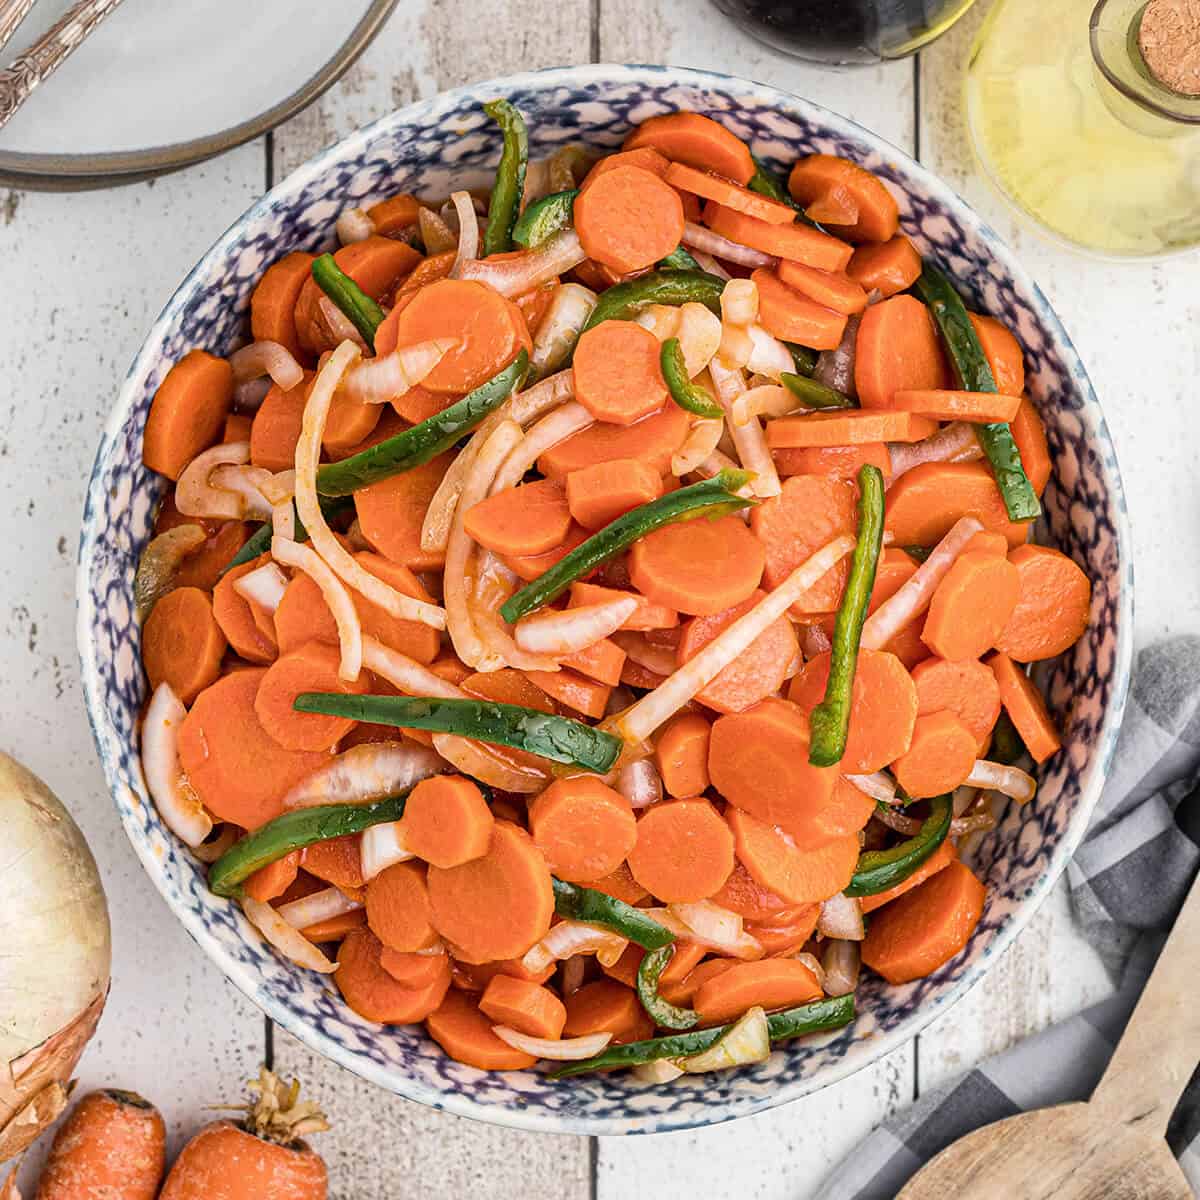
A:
830,719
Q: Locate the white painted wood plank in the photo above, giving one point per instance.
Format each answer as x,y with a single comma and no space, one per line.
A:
84,276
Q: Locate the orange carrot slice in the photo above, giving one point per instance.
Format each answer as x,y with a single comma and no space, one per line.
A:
392,511
399,909
1027,708
925,502
583,827
801,876
682,755
1053,605
967,689
182,643
943,856
1030,435
771,983
793,317
730,195
684,850
886,267
971,606
652,440
1003,353
697,141
531,518
447,821
797,242
850,428
187,412
939,758
273,301
945,405
465,1034
829,288
617,375
897,349
524,1006
628,218
312,667
878,218
600,493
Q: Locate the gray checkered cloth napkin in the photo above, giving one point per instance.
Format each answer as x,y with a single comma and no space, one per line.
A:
1127,880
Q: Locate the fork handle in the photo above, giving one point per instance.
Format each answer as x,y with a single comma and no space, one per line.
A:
48,53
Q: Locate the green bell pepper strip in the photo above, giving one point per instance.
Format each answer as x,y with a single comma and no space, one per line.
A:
363,312
593,907
815,395
259,542
510,177
830,720
559,739
544,218
710,497
625,300
422,442
974,374
765,182
679,260
804,358
1007,745
880,870
664,1015
293,831
832,1013
688,395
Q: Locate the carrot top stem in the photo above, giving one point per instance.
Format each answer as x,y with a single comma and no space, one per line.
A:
594,907
662,1013
365,314
278,1114
881,870
688,395
831,718
510,177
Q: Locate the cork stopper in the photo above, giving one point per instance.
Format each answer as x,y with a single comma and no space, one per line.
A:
1169,39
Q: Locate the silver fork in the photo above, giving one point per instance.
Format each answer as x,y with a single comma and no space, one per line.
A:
48,53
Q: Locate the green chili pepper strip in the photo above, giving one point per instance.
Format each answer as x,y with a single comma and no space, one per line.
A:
664,1015
804,358
832,1013
1007,745
830,720
365,314
688,395
293,831
625,300
880,870
559,739
711,497
259,541
679,260
815,395
544,218
510,177
598,908
974,374
766,183
422,442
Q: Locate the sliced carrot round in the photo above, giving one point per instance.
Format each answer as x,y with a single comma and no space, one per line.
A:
793,317
312,667
530,566
605,1006
1030,435
940,757
801,876
187,412
886,267
583,827
1026,707
392,511
617,374
945,854
527,1007
628,218
697,141
447,821
270,882
413,969
681,753
604,491
576,691
395,214
684,851
971,605
275,429
621,885
1053,605
239,771
967,689
945,404
785,933
683,991
465,1034
273,301
253,640
829,288
645,157
529,519
882,711
924,503
838,462
336,860
897,349
848,429
741,199
652,440
372,993
698,567
203,567
399,908
743,894
760,670
182,643
771,983
1003,353
797,242
878,217
496,906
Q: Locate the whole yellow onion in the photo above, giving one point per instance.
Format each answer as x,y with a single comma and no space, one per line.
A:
57,954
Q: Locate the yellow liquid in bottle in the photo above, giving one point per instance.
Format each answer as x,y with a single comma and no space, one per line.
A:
1042,119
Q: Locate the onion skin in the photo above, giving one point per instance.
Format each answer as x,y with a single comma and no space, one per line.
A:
56,975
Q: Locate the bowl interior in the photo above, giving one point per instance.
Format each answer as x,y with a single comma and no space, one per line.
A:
424,149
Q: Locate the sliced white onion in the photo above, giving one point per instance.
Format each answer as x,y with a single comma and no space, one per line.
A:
698,238
699,334
842,961
962,798
177,803
406,674
659,1071
636,724
290,942
387,376
248,396
1018,785
912,598
304,558
735,348
514,276
699,444
475,759
570,307
554,1050
749,438
878,786
382,846
316,907
340,327
835,368
494,584
719,461
769,400
279,487
744,946
841,917
247,483
545,395
639,649
739,302
569,630
709,264
569,938
564,422
436,235
366,773
196,496
353,225
308,458
747,1041
468,232
662,320
768,355
283,521
814,965
640,783
709,922
266,358
263,586
209,851
955,442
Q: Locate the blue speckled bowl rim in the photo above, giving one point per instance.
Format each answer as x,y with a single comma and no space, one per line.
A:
458,1102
